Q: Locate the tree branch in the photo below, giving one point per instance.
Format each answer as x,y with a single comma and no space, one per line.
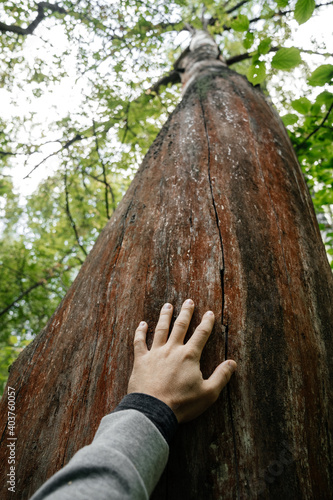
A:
104,175
172,77
78,137
41,8
248,55
71,218
49,274
7,153
316,129
280,13
239,4
103,182
23,294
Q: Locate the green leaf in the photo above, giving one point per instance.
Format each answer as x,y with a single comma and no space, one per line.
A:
304,10
257,73
325,98
282,3
264,46
241,23
301,105
321,75
315,109
286,58
289,119
248,40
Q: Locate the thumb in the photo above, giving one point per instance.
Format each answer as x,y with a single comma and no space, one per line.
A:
221,375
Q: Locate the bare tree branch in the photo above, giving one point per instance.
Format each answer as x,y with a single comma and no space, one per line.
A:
41,8
7,153
78,137
70,216
316,129
239,4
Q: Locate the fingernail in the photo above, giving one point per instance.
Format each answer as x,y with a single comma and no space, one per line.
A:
209,313
167,306
189,302
142,323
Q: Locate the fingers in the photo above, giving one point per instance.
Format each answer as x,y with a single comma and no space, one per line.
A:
163,325
140,346
202,332
220,377
182,322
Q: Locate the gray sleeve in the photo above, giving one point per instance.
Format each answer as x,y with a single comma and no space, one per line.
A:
124,461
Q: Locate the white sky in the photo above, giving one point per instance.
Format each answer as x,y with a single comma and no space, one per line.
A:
66,95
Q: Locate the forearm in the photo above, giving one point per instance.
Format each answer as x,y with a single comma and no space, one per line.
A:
125,459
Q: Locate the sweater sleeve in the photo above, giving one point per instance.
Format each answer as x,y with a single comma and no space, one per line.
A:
125,459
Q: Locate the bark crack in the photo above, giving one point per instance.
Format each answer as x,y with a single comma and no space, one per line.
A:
215,210
224,327
189,256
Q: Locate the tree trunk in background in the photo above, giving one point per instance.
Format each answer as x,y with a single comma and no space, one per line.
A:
219,212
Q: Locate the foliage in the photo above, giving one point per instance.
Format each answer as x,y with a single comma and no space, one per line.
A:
304,10
91,144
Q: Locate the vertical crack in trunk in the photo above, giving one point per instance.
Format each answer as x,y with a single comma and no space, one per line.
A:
224,327
216,215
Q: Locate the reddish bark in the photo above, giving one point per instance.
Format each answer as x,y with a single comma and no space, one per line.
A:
219,212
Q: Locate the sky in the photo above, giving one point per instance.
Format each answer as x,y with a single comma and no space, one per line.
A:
67,94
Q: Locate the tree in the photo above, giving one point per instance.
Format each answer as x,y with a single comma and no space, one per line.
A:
114,53
243,220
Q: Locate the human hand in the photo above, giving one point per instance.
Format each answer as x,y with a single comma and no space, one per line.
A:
170,370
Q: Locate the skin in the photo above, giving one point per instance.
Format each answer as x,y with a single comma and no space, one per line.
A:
170,370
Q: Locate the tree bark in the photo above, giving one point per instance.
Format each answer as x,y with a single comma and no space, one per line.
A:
218,211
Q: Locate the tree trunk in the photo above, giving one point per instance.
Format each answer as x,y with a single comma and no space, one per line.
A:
219,212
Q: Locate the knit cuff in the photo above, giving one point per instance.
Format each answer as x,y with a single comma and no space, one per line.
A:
158,412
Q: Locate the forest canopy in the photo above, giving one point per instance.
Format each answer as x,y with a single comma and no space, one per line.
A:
85,88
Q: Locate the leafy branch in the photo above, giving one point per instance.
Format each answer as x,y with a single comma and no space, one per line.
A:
72,222
316,129
106,184
49,273
248,55
279,13
172,77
